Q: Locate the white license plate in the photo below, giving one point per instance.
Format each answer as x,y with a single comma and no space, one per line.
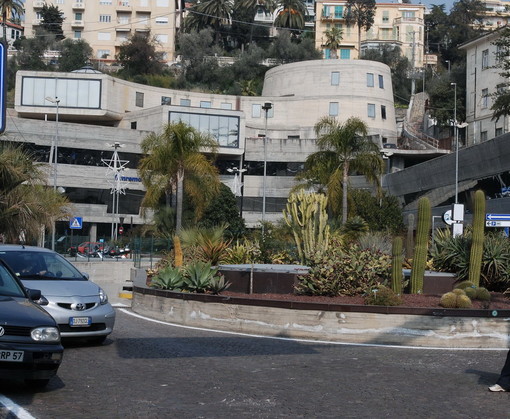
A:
12,356
80,321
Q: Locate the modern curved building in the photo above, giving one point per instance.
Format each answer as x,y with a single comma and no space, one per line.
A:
95,111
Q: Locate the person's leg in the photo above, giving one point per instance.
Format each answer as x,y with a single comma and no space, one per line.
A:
503,383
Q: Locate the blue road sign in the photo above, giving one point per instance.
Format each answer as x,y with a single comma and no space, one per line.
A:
497,217
3,66
76,223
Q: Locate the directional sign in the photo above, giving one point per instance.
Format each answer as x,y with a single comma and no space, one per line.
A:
76,223
492,223
497,217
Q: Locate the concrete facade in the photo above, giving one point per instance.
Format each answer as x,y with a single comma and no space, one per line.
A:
96,110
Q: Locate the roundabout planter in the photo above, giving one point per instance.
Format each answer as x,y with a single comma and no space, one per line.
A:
421,327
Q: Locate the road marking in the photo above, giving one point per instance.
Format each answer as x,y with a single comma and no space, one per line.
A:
17,410
326,342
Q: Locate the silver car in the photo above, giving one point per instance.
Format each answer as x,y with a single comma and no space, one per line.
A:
79,306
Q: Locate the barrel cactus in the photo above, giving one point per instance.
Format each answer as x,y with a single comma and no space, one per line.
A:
455,299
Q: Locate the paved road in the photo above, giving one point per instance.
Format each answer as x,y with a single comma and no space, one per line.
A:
154,370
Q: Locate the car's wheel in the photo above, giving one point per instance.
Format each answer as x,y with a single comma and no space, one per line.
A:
37,383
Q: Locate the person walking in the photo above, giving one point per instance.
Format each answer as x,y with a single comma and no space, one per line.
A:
503,383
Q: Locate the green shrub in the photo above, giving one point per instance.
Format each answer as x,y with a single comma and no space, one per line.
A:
345,271
382,296
198,276
241,253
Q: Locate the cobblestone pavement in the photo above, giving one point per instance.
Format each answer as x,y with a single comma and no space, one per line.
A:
154,370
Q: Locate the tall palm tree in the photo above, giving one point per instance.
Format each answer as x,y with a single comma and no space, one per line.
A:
344,148
26,204
334,36
214,13
361,13
10,8
174,162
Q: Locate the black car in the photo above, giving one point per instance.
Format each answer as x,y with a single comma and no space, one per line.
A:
30,347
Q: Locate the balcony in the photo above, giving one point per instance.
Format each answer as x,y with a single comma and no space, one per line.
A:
38,4
332,17
79,6
77,24
403,19
123,6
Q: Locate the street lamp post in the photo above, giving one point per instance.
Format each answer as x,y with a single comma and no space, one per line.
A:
54,160
448,62
456,135
266,107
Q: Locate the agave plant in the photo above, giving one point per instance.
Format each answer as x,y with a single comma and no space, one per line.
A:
218,284
168,278
199,275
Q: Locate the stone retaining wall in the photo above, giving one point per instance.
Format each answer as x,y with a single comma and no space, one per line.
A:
440,328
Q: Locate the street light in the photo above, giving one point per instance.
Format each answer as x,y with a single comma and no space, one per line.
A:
456,135
266,107
54,159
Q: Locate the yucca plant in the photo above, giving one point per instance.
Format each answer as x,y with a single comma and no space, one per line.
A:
168,278
198,276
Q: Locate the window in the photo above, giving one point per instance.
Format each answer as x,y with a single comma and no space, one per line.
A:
370,79
408,14
499,131
339,12
61,2
381,81
103,53
485,59
345,54
327,53
105,2
162,38
161,21
123,19
256,110
371,110
77,34
205,104
77,16
326,12
225,105
161,3
485,98
185,102
333,108
105,18
139,99
335,78
165,100
383,112
483,136
103,36
385,16
133,125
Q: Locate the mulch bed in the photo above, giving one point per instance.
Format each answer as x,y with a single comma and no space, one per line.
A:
498,300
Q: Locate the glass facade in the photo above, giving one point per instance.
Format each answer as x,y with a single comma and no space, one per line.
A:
225,129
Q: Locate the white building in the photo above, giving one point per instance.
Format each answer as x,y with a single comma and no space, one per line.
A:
96,110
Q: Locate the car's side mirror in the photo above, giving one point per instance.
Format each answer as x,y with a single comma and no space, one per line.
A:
33,294
86,275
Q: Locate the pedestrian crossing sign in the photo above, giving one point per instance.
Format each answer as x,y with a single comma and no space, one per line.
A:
76,222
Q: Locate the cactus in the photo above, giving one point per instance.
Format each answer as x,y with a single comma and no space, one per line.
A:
458,291
421,248
177,252
396,265
455,300
410,236
306,215
465,284
483,294
475,258
471,292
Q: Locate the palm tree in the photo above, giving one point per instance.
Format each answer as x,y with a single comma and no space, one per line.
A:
10,8
333,38
174,162
343,149
213,13
292,14
361,13
26,204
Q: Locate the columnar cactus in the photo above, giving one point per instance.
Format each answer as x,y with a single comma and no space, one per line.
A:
396,265
410,236
421,248
306,215
475,258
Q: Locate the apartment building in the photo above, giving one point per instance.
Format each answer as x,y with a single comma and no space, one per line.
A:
497,14
107,24
482,81
395,24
